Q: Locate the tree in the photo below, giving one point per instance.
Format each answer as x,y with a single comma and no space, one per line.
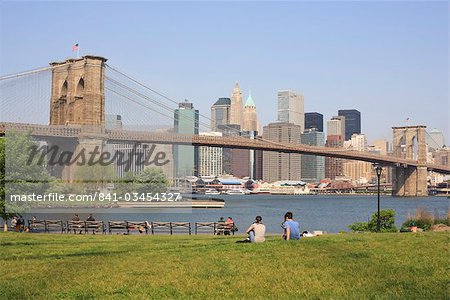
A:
151,180
94,177
20,172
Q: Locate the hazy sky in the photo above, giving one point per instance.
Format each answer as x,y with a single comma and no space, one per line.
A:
390,60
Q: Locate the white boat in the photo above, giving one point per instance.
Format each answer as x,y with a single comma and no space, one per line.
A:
235,192
212,192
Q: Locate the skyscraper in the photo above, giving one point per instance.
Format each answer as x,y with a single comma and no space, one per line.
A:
313,167
435,139
220,113
335,139
227,153
250,120
352,121
314,120
186,120
291,108
236,112
281,166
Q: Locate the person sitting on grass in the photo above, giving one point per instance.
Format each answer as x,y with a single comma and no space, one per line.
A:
256,232
291,228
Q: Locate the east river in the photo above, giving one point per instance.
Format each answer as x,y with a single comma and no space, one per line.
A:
330,213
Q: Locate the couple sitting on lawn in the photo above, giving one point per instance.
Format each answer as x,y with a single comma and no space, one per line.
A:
257,230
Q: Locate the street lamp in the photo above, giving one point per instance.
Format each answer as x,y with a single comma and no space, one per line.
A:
378,168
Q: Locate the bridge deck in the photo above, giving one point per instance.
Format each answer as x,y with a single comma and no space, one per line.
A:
122,136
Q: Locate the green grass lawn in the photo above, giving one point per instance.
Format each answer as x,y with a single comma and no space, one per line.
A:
348,266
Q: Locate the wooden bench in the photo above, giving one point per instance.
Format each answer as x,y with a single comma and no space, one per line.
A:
217,228
140,226
165,226
76,226
205,227
95,226
36,225
180,227
51,225
117,225
225,229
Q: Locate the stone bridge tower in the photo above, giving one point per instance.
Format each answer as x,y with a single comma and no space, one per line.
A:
409,143
78,96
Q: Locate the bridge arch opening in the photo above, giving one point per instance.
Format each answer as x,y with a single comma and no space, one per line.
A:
63,92
414,148
402,146
80,89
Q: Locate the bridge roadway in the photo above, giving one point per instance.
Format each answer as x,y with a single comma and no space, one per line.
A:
126,136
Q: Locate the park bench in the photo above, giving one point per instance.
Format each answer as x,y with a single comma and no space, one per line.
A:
36,225
121,226
163,226
51,225
205,227
180,227
223,228
140,226
95,226
76,226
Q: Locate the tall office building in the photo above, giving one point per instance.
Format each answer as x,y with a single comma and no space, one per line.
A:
335,139
186,120
210,158
435,139
236,111
250,120
291,108
281,166
220,113
227,153
352,121
314,120
313,167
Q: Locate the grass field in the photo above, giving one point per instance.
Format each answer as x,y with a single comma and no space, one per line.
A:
348,266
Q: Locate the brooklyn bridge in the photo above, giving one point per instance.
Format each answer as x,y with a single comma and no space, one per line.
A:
79,98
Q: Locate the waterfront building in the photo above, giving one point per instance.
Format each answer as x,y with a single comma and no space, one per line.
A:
314,120
352,121
220,113
186,120
291,108
210,158
281,166
312,166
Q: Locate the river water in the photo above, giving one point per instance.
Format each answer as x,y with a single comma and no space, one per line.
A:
330,213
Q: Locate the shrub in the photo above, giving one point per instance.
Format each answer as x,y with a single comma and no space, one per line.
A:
387,222
424,219
359,226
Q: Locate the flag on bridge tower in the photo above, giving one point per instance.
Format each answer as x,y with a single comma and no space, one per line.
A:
77,49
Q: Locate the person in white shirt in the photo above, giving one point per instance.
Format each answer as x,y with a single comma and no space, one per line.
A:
257,231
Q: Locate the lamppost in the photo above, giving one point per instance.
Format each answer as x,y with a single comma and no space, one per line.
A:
378,169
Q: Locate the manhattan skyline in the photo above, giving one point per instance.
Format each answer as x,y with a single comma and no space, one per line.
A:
387,60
